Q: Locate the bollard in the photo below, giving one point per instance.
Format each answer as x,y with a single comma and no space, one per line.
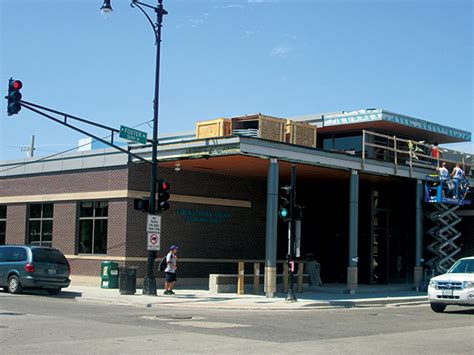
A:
240,279
300,276
285,277
256,278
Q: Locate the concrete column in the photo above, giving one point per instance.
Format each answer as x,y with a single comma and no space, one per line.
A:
418,270
270,281
353,231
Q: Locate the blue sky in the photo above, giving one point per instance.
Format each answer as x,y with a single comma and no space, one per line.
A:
225,58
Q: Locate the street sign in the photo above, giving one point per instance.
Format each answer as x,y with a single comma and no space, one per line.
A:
153,224
153,228
154,241
132,134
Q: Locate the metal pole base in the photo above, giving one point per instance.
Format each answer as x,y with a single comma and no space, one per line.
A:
290,297
149,286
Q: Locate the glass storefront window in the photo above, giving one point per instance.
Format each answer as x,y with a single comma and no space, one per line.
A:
93,217
40,224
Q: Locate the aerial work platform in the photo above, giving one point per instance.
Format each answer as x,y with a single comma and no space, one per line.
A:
446,197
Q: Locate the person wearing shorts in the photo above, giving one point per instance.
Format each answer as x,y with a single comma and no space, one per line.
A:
170,271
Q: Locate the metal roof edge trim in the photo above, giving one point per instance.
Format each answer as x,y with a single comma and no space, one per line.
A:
425,125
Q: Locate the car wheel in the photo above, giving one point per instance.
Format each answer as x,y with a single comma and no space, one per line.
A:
54,291
438,307
14,285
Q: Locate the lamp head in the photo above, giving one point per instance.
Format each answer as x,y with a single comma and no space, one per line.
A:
106,7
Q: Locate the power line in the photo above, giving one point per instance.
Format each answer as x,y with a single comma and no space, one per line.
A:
62,152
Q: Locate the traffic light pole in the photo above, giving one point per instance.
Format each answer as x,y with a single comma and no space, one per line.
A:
149,282
290,297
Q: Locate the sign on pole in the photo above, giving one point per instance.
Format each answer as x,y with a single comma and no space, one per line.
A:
153,241
153,229
132,134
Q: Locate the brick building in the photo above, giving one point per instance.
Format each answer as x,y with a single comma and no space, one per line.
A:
82,203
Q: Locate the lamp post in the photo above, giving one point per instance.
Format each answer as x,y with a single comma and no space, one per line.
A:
149,282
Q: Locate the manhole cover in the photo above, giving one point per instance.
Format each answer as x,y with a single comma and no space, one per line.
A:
174,317
11,314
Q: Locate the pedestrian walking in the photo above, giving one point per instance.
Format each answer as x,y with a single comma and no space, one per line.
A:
170,271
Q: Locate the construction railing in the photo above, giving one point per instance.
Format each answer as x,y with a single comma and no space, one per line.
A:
409,152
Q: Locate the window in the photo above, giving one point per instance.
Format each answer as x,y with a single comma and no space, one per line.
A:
3,223
40,224
12,254
51,256
93,227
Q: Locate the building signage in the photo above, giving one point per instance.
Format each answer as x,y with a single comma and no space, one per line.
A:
203,216
132,134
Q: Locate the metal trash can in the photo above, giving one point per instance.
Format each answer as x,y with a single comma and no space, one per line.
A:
128,280
109,271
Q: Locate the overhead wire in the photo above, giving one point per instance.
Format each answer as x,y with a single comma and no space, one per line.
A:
42,159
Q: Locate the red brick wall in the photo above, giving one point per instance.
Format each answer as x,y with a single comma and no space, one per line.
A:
64,226
67,182
16,224
242,235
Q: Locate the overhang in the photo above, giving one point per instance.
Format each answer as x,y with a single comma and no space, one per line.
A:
389,122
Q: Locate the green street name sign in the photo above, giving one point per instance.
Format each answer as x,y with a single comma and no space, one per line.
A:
132,134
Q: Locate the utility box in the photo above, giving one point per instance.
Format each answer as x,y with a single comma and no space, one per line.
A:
109,274
259,126
220,127
301,133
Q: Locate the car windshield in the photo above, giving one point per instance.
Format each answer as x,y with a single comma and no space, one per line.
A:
463,266
43,255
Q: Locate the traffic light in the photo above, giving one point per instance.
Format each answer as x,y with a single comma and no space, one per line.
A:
163,196
298,213
285,203
14,96
141,204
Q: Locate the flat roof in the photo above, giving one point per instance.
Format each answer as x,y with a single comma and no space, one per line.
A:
401,125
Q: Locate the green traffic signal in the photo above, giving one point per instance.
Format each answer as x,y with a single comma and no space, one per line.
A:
285,203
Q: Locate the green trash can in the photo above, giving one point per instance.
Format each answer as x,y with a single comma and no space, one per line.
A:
109,274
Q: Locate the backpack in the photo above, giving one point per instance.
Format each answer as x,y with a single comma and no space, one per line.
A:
163,264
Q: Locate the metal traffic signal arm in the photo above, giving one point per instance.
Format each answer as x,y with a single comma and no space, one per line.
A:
15,104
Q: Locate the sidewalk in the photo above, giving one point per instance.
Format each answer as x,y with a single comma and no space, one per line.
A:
325,297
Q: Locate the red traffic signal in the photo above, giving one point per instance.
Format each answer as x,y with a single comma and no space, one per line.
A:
163,196
14,96
16,84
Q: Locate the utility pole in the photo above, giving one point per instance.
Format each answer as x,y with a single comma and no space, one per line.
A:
31,149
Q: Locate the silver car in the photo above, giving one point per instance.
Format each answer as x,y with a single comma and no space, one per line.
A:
36,267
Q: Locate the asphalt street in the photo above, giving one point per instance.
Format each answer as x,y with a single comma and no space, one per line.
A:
40,324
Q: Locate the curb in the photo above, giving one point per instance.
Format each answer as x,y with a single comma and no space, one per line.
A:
279,305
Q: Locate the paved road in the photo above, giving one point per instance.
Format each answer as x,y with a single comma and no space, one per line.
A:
38,324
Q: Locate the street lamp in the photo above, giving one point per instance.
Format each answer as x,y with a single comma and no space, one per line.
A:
149,282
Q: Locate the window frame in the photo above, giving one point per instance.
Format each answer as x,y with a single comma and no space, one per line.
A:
95,219
41,219
3,221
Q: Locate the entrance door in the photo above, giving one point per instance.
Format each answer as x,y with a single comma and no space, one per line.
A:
379,238
389,242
